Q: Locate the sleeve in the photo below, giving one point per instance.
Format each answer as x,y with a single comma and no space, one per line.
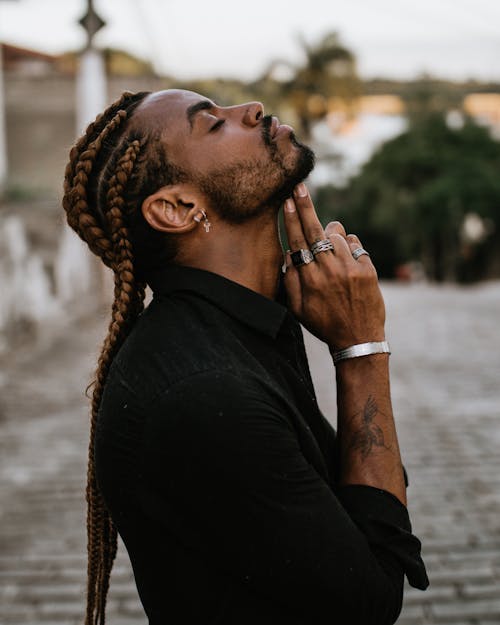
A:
224,450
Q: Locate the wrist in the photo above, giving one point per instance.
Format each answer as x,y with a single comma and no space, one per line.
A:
356,373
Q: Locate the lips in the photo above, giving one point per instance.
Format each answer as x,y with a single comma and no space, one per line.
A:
275,124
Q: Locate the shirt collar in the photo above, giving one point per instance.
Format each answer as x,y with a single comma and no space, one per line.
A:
249,307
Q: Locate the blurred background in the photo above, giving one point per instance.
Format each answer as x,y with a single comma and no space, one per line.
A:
401,102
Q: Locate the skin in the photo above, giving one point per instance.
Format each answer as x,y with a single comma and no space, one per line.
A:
336,297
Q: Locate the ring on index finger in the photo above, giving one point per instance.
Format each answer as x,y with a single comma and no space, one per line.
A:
301,257
325,245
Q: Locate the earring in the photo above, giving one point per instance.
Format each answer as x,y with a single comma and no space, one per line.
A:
207,224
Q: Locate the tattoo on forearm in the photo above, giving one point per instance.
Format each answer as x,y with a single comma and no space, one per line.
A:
369,434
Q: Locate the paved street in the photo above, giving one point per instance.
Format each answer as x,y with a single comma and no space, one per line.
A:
446,392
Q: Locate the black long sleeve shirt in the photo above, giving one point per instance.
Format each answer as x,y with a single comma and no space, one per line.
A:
221,473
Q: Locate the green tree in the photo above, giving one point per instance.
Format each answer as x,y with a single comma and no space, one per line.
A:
410,200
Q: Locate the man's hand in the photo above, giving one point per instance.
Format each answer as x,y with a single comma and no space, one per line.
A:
336,298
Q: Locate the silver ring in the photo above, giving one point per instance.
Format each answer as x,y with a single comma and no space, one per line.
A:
325,245
359,252
301,257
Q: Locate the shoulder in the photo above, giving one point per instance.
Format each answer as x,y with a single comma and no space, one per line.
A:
219,395
220,419
175,338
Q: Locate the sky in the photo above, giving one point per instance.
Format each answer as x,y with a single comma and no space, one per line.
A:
454,39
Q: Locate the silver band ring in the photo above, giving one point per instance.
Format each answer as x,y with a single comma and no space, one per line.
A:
301,257
359,252
325,245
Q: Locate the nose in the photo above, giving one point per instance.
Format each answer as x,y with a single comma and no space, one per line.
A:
250,113
253,114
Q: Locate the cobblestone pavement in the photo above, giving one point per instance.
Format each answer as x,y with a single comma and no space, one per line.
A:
446,392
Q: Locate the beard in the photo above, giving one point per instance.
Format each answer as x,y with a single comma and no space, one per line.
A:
249,188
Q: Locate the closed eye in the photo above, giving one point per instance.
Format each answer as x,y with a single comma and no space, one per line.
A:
217,125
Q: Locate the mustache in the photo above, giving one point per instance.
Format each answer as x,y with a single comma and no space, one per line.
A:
267,121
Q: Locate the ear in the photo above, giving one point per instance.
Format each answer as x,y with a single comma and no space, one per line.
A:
173,208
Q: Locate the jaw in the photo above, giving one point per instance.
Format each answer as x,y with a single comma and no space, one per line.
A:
256,186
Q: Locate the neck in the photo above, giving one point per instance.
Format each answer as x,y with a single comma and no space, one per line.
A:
249,253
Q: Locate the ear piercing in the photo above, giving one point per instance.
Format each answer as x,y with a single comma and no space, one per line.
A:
206,223
202,215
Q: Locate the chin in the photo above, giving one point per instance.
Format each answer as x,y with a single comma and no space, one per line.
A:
303,163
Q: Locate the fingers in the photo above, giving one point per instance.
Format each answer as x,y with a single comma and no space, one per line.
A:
304,228
293,225
342,250
335,227
311,226
354,244
336,231
302,224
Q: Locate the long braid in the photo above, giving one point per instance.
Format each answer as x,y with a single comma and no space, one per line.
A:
127,306
112,168
108,238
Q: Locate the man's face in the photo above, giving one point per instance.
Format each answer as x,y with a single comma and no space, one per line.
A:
243,162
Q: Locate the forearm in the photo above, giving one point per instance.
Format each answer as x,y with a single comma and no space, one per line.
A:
368,444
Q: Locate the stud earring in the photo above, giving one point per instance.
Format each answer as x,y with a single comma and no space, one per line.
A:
206,223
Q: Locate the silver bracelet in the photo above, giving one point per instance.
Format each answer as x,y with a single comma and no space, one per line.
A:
363,349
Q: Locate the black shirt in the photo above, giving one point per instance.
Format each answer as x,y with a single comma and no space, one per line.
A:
221,473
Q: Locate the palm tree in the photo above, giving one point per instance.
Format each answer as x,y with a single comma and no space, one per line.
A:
329,71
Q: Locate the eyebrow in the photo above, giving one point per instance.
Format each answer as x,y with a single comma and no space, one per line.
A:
202,105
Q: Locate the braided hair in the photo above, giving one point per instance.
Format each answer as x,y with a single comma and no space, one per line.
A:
111,169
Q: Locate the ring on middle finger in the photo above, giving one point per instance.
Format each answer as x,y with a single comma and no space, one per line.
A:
324,245
301,257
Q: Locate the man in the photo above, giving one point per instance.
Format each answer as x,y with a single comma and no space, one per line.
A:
236,499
